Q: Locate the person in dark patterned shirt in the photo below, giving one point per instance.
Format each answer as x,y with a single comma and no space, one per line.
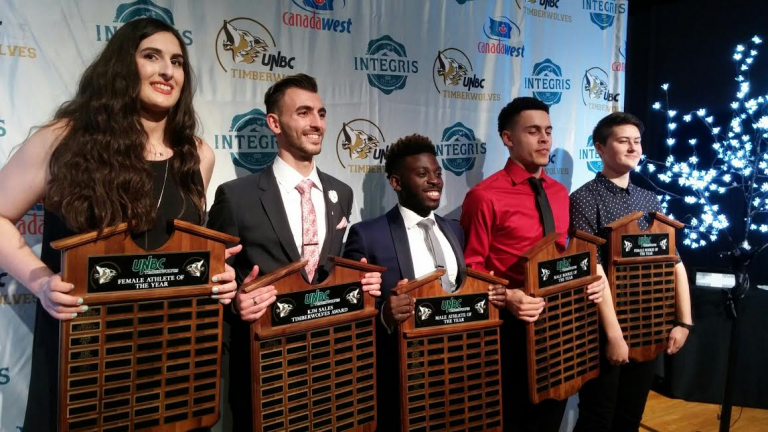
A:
615,400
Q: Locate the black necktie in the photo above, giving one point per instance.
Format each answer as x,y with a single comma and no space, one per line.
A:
542,203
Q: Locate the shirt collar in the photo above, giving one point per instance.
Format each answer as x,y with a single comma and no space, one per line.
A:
519,175
411,218
289,178
613,187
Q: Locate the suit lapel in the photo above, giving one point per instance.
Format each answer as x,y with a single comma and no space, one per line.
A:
275,210
401,244
454,242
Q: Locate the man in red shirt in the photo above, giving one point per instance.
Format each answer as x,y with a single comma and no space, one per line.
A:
502,217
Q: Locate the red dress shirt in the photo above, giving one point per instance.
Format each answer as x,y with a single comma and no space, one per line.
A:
501,221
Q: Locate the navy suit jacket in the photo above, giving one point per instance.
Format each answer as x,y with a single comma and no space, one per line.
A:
383,241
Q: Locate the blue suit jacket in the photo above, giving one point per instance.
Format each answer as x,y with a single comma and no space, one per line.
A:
384,242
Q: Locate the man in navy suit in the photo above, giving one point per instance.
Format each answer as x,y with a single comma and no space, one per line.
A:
410,241
287,212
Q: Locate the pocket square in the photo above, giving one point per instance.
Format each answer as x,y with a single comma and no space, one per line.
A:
342,224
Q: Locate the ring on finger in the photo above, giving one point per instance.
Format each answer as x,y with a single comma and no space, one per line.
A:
255,302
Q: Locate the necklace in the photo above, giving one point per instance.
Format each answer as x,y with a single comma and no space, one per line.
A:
165,178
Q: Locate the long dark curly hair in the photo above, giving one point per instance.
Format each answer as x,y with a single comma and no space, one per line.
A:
99,175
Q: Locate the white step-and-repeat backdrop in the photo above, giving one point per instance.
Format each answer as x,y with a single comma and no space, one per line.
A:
386,69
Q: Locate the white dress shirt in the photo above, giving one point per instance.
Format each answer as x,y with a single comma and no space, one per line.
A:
287,179
422,259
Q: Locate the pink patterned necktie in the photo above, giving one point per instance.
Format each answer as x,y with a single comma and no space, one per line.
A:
311,246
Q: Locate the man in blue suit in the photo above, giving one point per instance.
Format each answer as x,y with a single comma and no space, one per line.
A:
410,241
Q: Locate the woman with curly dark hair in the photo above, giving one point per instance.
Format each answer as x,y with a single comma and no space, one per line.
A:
124,149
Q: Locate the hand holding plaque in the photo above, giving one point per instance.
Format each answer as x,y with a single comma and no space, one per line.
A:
147,351
313,351
398,308
562,342
641,271
252,305
55,298
450,339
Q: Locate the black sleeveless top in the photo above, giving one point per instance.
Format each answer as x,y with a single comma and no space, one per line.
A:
41,414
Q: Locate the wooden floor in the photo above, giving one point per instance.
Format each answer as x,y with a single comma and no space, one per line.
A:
674,415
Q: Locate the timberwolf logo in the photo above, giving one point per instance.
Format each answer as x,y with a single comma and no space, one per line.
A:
594,86
450,69
126,12
244,46
359,143
248,43
450,75
360,146
387,64
595,89
251,145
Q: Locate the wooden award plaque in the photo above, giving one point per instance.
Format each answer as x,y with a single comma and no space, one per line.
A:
562,346
641,270
314,352
449,356
146,355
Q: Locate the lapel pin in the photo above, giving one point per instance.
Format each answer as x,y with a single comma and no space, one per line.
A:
333,196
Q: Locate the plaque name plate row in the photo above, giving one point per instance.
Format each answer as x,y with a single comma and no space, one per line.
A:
563,350
641,270
314,353
449,356
146,355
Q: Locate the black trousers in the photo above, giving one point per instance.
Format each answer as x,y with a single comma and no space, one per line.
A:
615,400
520,415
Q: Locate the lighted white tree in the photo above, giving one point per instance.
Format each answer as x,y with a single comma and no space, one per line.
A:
740,162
